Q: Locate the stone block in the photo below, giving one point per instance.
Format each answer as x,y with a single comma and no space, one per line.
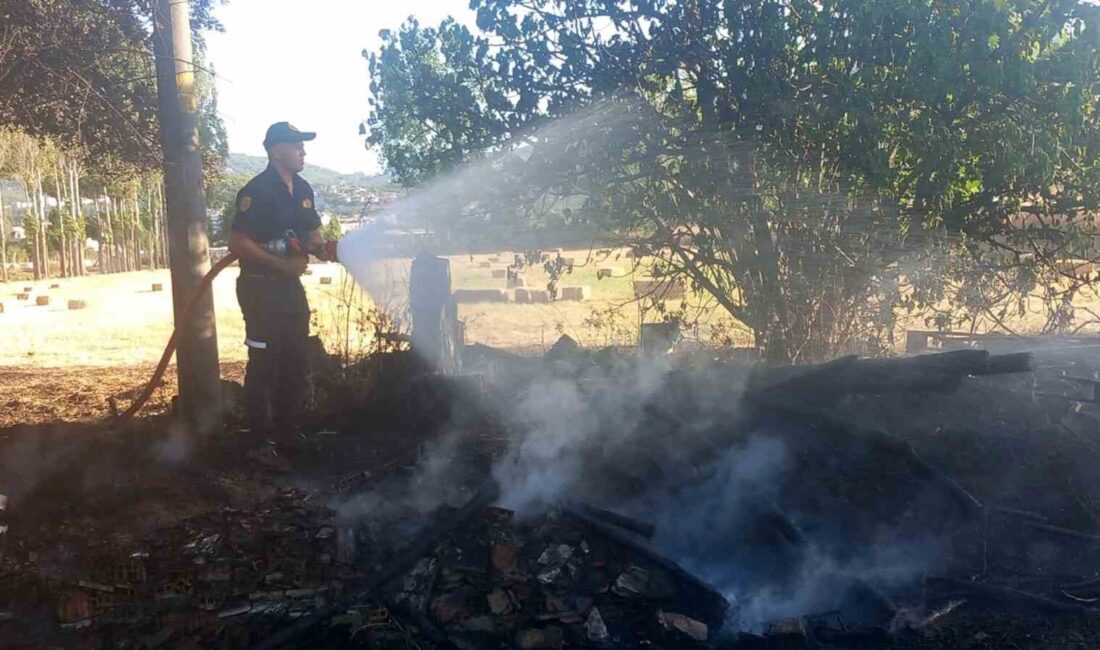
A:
576,294
538,296
326,279
77,304
523,296
42,301
517,282
55,285
22,296
480,295
608,272
157,286
485,265
500,274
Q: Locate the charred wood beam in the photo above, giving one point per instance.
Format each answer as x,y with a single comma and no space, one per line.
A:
716,605
1066,533
643,528
1006,596
1013,513
817,417
422,543
828,382
1083,589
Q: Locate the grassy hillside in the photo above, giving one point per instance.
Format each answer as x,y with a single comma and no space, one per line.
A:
240,163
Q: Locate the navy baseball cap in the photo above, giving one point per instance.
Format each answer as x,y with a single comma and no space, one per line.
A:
281,132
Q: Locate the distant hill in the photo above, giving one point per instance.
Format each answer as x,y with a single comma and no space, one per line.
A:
242,163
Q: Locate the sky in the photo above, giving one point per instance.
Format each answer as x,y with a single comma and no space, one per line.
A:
301,62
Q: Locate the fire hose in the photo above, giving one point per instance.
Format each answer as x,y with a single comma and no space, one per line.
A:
285,246
173,341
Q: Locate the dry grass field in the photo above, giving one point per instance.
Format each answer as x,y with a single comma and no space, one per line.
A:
57,363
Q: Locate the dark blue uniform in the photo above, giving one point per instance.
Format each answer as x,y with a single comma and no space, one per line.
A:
276,312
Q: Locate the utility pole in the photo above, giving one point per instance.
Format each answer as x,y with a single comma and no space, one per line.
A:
177,106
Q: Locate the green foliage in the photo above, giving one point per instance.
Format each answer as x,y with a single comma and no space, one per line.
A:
331,230
814,167
81,72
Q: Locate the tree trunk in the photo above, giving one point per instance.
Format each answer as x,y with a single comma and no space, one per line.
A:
162,214
135,233
154,229
32,251
124,235
108,234
40,231
62,244
3,241
77,239
99,236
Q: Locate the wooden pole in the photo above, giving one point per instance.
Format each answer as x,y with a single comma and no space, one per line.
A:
177,108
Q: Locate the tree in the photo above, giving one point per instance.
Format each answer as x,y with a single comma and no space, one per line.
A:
814,168
76,77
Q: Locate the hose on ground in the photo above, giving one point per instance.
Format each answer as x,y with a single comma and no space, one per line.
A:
181,321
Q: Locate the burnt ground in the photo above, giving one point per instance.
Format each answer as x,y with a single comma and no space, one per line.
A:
81,493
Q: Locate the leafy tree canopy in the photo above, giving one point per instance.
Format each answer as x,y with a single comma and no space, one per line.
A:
814,167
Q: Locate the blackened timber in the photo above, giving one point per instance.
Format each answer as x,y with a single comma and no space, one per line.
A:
643,528
827,382
1066,533
796,412
421,545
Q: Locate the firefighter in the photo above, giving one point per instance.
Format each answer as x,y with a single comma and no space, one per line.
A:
275,228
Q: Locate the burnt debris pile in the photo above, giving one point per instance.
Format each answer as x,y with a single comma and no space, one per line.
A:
663,504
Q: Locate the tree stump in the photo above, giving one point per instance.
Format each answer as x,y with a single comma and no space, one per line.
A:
436,331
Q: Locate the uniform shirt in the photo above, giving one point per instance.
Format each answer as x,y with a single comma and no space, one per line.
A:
266,211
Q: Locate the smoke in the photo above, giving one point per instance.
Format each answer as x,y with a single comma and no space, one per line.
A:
370,253
641,438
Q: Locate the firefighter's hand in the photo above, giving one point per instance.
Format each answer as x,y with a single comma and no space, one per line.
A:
295,265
